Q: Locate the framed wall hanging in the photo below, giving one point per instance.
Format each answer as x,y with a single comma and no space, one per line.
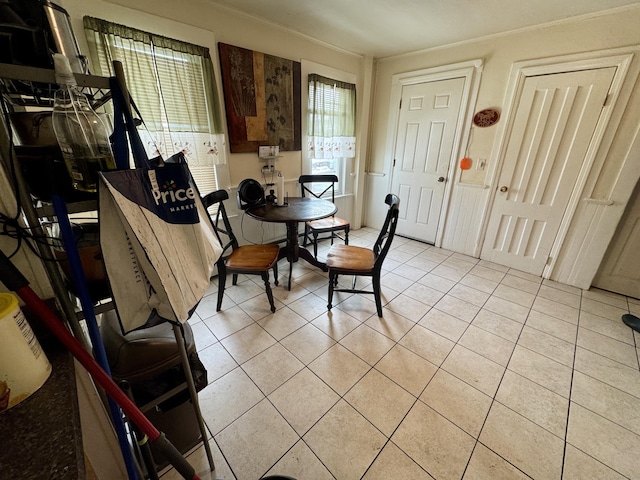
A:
486,117
262,95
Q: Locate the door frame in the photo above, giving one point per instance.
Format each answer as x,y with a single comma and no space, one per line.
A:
471,71
520,71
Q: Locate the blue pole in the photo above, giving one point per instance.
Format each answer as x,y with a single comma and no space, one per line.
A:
79,280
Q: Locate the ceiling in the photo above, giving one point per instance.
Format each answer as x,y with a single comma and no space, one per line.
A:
382,28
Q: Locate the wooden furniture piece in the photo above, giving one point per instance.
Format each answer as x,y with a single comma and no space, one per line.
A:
359,261
299,209
235,259
332,225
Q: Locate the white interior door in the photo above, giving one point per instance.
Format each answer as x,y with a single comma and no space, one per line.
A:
424,145
553,125
620,268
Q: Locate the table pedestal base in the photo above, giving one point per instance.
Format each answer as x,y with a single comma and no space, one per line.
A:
293,251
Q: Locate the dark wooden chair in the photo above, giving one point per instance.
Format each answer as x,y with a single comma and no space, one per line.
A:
359,261
245,259
330,225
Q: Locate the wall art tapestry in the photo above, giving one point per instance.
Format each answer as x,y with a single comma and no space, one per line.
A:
262,99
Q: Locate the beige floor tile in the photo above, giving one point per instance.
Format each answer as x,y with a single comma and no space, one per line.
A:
451,273
474,369
469,294
258,307
393,463
434,443
578,466
428,345
562,286
345,442
367,343
391,325
608,371
437,282
540,405
485,465
360,307
254,442
396,280
380,401
514,295
547,345
309,306
498,325
282,322
307,343
457,308
271,368
606,401
479,283
457,401
407,369
303,400
308,282
566,331
508,309
611,328
300,463
560,296
603,309
339,368
493,266
487,344
336,323
444,324
541,370
435,254
408,307
202,336
247,343
603,296
226,399
491,274
217,361
605,441
423,293
197,458
525,276
608,347
529,447
243,291
228,321
556,309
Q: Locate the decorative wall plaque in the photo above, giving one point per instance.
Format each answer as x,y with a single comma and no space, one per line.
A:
486,117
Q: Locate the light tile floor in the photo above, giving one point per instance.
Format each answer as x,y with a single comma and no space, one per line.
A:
476,371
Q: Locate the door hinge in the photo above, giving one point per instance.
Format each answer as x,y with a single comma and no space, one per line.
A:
394,162
400,107
606,100
549,259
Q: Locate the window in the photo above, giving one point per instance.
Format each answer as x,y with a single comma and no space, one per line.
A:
173,86
331,126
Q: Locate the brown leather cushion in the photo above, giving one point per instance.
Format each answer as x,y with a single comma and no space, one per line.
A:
348,258
253,257
142,354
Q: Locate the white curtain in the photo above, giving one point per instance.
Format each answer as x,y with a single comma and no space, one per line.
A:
332,118
173,85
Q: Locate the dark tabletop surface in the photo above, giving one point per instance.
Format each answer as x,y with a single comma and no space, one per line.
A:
299,210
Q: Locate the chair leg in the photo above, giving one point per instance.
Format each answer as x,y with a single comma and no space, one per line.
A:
332,280
275,273
267,287
235,279
222,280
376,294
346,236
305,238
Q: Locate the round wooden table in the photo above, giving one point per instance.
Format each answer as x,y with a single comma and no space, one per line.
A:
299,209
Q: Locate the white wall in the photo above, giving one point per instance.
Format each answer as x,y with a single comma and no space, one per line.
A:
467,210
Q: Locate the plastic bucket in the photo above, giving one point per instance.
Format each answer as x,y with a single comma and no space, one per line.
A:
24,367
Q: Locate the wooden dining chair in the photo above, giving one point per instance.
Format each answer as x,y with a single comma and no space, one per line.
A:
330,225
360,261
235,259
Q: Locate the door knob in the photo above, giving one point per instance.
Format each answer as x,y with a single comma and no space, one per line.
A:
503,188
441,179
